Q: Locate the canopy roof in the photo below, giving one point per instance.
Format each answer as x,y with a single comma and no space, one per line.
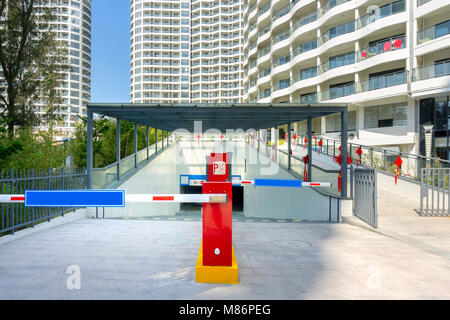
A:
214,116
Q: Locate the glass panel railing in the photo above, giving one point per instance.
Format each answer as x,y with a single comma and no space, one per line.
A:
338,92
126,164
384,81
381,47
330,5
264,9
422,2
280,37
281,12
436,70
434,32
102,177
336,62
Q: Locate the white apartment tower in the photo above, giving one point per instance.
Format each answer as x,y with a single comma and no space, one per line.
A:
389,60
74,30
186,51
160,51
216,42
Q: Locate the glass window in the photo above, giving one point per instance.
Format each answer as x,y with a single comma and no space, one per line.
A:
385,116
442,29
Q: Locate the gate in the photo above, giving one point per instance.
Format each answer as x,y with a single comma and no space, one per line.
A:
434,188
365,195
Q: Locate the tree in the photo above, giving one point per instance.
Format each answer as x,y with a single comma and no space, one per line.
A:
104,141
33,63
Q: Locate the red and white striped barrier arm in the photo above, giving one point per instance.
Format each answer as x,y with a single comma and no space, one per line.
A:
184,198
144,198
12,198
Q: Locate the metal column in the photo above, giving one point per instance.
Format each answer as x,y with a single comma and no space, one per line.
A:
156,140
344,153
118,149
289,145
310,148
89,149
162,139
135,145
148,141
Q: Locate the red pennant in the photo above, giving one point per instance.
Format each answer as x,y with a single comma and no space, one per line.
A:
398,43
359,153
364,54
305,171
305,142
398,163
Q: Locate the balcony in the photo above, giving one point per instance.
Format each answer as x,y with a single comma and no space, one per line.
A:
384,81
437,70
434,32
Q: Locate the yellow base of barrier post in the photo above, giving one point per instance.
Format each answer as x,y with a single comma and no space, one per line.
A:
216,274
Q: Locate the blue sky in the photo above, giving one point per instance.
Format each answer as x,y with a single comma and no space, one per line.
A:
110,51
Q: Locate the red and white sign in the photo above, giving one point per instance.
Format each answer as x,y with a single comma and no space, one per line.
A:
219,168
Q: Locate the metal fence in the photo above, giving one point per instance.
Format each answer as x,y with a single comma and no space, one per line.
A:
365,195
380,159
434,192
15,216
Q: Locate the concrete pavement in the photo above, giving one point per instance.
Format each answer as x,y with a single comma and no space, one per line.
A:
134,259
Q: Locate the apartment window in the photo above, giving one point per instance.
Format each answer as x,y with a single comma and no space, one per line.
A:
285,83
442,29
266,93
308,73
342,29
333,122
342,60
284,60
308,98
342,89
386,116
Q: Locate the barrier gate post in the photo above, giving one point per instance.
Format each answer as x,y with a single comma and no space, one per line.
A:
216,262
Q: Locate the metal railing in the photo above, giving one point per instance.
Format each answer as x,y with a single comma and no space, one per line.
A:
432,71
434,192
15,216
380,159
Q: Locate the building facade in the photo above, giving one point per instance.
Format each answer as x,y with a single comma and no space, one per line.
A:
186,51
73,27
388,60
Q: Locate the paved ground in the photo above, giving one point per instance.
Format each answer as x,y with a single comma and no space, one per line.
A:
134,259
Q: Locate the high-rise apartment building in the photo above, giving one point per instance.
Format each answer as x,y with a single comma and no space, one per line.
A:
73,27
216,56
388,60
186,51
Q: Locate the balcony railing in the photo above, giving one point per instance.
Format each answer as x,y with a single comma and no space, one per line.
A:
381,47
436,70
338,92
434,32
384,81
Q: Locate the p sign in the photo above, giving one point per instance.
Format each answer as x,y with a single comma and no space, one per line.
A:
219,168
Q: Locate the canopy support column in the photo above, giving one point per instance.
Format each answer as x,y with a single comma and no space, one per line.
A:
156,140
89,149
309,149
344,153
148,141
135,145
289,145
118,149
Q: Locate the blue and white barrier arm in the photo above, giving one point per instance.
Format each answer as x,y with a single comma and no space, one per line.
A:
102,198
